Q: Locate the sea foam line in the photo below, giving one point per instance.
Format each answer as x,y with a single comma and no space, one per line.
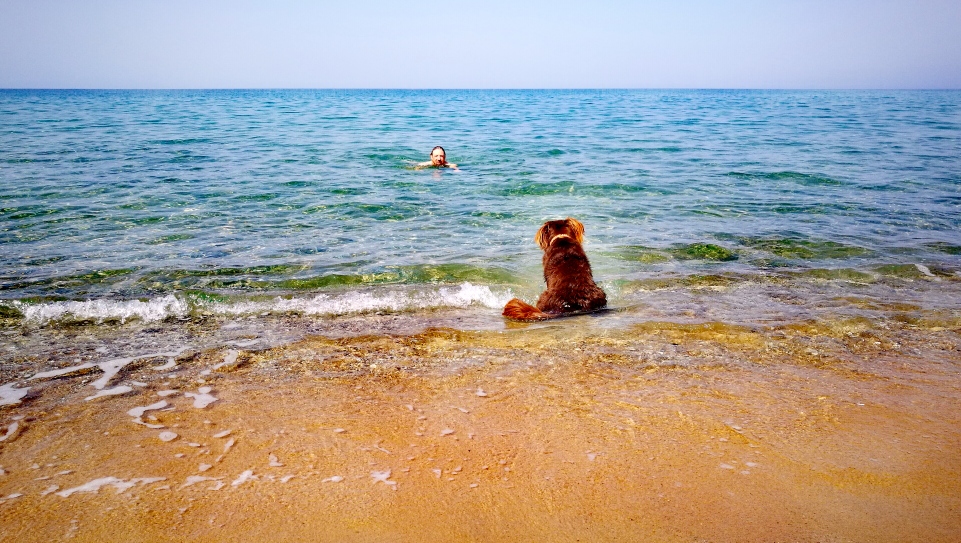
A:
158,309
155,309
365,302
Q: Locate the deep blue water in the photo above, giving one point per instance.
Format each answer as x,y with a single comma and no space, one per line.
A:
228,197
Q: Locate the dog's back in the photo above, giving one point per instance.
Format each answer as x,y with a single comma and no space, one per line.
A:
567,272
570,283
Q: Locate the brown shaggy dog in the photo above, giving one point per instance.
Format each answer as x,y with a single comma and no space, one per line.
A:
570,285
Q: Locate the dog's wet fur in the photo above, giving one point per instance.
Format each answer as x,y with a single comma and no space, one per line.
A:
567,272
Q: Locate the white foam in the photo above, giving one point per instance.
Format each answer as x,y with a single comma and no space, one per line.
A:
464,295
202,398
141,422
120,484
247,475
64,371
167,436
11,431
138,412
11,395
165,393
110,368
925,270
334,479
382,477
158,309
274,462
286,478
122,389
50,490
229,444
155,309
229,359
225,433
203,467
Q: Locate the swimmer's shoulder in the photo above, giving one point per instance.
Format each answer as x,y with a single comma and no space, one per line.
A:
425,165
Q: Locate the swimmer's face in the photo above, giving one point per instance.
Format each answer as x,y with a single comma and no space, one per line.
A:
438,158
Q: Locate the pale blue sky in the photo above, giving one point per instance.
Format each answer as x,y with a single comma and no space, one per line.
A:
482,44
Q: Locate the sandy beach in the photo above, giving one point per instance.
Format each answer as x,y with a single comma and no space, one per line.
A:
570,431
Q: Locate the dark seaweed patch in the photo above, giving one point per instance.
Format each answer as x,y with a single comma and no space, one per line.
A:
841,274
946,248
639,253
804,249
72,281
702,251
797,177
536,189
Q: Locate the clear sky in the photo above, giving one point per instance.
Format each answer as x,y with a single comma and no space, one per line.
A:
480,44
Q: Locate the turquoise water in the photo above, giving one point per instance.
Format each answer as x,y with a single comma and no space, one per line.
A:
127,205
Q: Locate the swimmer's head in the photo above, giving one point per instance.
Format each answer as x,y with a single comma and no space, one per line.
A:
438,157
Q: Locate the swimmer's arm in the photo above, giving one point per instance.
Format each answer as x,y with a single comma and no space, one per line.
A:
424,165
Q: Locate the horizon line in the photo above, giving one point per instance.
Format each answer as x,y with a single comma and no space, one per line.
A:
793,89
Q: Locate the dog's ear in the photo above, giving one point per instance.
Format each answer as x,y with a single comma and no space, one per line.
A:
542,236
577,229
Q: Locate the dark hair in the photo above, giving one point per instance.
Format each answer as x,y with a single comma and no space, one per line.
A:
436,148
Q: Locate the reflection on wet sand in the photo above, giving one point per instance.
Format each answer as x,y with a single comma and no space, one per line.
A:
844,430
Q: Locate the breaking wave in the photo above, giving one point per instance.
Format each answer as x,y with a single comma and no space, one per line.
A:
183,306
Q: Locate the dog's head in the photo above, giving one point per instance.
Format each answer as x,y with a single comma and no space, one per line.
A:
563,227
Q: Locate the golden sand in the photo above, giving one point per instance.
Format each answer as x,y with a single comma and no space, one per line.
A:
845,431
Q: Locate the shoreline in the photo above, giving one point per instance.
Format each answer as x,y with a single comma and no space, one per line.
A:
844,430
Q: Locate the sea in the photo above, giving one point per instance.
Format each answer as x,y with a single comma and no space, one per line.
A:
142,221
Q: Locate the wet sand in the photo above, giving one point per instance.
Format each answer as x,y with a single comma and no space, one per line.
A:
848,430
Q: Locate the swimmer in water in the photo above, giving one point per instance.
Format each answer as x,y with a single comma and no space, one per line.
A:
438,159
